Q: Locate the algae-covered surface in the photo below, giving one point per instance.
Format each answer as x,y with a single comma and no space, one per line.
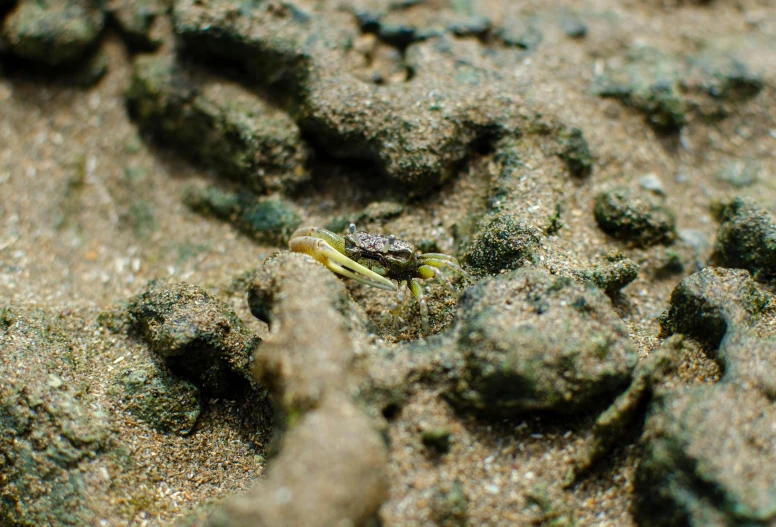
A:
605,173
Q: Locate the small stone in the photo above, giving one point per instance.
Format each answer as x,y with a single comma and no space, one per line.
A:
634,217
574,28
652,183
503,243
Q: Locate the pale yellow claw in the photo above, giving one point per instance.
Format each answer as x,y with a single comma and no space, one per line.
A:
338,262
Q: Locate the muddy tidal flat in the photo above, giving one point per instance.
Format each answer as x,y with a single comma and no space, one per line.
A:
599,178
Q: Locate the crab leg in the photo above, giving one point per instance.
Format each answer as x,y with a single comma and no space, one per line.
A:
435,260
417,292
338,262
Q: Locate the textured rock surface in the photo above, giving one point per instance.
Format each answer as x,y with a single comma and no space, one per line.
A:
54,32
503,243
532,341
219,123
57,444
746,239
634,217
269,219
199,338
166,403
709,460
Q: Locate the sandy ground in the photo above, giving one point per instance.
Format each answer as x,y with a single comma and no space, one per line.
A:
89,212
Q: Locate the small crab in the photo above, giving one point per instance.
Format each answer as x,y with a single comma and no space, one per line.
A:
375,260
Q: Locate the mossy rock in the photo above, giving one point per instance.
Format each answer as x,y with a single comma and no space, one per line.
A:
634,217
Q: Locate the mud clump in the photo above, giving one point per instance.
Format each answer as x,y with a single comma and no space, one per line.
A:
52,33
710,460
710,455
634,217
746,239
612,275
307,369
268,219
576,152
723,309
706,304
218,123
166,403
503,243
199,338
533,341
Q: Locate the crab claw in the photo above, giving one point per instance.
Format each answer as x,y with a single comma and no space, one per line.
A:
338,262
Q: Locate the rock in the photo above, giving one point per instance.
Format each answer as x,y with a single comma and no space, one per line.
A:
58,444
611,276
707,303
218,123
533,341
634,217
306,363
166,403
269,219
615,422
416,135
709,460
520,33
746,239
53,32
503,243
652,183
668,88
574,28
576,152
198,337
141,23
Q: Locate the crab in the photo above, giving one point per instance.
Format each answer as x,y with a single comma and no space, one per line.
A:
384,262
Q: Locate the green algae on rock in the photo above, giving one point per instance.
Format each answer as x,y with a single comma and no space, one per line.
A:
533,341
270,219
634,217
215,121
503,243
746,238
54,32
198,337
616,272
